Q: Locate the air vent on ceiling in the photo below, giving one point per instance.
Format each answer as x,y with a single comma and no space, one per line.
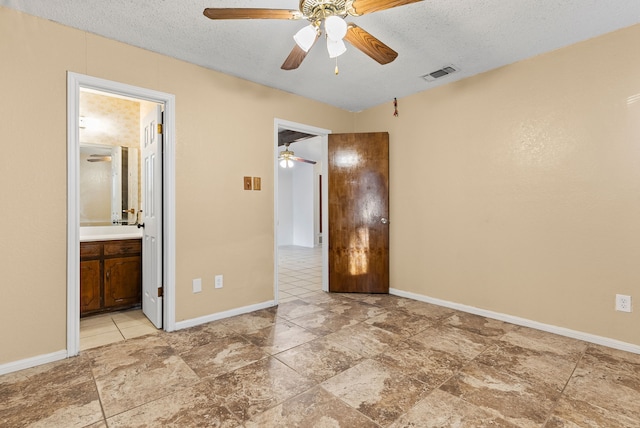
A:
439,73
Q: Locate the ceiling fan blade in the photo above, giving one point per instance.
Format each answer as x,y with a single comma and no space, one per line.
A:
250,13
368,44
296,56
295,158
360,7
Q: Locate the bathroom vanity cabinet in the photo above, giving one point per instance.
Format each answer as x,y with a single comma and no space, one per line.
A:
110,275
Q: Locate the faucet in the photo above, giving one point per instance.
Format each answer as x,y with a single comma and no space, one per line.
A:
126,222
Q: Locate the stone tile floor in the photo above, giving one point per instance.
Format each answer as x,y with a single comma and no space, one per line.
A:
334,360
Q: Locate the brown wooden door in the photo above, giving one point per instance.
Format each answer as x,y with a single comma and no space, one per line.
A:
358,212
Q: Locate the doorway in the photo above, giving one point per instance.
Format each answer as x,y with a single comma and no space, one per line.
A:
313,245
76,83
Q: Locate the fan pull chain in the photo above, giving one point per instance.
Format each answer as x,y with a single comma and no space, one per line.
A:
336,70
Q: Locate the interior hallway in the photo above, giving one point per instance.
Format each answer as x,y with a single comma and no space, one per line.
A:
299,272
321,359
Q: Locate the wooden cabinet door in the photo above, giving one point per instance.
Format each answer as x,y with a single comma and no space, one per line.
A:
122,281
90,280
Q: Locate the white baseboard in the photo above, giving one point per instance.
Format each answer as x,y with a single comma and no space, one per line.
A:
15,366
225,314
587,337
32,362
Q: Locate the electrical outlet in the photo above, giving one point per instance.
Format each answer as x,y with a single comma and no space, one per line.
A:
219,281
197,285
623,303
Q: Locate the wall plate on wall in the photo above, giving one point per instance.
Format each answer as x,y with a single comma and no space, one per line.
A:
623,303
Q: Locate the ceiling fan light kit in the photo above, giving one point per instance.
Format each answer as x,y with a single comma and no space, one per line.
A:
335,48
332,14
286,163
335,27
306,37
287,158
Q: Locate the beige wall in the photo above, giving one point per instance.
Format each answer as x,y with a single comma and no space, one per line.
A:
224,132
518,190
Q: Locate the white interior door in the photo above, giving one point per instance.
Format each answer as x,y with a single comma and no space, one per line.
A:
152,217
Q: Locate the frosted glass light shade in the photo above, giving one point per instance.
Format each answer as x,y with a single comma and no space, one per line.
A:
286,163
335,47
335,27
306,37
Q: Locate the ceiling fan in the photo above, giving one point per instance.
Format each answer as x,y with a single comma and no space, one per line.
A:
287,157
99,158
331,13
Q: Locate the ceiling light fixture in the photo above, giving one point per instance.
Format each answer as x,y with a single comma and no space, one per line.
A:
285,158
335,29
286,163
335,48
306,37
324,15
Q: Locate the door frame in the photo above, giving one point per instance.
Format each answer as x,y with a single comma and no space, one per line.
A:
324,142
75,81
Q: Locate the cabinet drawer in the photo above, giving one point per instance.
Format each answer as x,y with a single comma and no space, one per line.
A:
90,249
119,248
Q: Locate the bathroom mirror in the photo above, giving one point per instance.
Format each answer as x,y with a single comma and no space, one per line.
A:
109,190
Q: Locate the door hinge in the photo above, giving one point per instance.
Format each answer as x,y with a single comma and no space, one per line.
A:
159,128
160,291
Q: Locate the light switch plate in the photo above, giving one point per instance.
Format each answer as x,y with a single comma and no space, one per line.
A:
247,183
257,183
197,285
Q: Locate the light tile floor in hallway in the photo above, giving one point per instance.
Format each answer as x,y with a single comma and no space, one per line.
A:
299,271
339,360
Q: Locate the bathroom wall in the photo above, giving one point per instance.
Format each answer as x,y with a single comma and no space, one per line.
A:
107,121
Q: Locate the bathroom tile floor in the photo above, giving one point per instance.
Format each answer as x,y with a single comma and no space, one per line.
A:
339,360
113,327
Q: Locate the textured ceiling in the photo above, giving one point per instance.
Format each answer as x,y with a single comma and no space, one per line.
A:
473,35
